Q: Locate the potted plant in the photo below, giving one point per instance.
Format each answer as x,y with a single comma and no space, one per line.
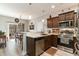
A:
2,33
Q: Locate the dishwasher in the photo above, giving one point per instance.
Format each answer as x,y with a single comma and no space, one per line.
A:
39,46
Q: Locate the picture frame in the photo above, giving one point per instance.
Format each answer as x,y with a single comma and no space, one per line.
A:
31,27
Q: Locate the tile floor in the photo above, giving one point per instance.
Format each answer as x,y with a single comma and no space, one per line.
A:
66,49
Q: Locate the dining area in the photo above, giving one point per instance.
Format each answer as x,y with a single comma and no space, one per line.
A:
2,40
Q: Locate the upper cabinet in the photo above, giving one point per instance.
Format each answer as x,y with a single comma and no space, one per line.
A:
69,15
49,23
61,17
54,21
66,16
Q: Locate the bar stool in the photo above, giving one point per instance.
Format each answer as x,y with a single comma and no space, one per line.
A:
76,47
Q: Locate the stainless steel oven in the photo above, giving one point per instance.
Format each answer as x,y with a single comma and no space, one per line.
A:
66,36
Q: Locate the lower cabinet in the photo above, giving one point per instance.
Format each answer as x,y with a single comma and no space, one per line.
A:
36,46
47,42
30,46
54,40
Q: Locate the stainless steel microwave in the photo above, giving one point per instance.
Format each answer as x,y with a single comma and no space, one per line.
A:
66,24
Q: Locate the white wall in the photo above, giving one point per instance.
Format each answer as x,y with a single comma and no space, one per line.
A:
38,24
4,23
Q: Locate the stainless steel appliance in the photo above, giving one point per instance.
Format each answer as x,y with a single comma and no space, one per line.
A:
66,24
39,47
66,36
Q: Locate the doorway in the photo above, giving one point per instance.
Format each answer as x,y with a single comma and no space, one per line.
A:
12,30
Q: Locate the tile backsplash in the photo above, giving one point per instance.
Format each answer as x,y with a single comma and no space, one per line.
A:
55,30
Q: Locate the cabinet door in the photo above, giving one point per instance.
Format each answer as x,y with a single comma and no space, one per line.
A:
30,46
47,42
69,16
62,17
49,23
54,40
55,22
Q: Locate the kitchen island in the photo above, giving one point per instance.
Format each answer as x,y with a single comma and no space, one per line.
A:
37,43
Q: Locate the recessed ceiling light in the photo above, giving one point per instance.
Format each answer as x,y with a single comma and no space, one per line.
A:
53,6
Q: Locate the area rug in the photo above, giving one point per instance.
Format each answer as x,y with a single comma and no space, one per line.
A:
55,52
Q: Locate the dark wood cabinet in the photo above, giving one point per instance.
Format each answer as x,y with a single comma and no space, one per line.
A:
61,17
55,22
30,46
36,46
47,42
69,15
54,40
66,16
51,41
49,23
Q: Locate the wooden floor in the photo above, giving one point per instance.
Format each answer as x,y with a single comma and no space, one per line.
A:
12,49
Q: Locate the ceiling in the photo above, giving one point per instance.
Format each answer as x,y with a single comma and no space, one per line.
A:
35,10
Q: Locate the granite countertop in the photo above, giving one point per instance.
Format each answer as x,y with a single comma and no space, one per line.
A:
38,35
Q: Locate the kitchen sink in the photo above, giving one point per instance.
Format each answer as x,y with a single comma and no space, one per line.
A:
44,34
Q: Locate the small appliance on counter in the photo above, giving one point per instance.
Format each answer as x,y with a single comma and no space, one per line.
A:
49,30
